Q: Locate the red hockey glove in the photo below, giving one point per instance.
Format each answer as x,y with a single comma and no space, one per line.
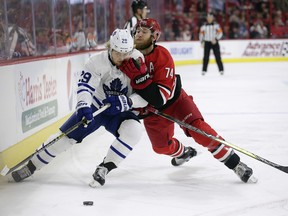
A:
142,112
137,71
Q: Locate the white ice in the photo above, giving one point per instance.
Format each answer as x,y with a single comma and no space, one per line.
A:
248,106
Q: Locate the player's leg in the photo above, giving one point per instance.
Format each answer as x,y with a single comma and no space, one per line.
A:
207,48
217,54
188,110
127,131
221,152
43,158
160,132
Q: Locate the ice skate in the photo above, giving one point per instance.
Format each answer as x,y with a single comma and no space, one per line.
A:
99,177
23,173
221,72
189,152
245,173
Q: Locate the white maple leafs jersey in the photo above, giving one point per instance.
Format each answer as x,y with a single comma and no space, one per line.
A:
101,78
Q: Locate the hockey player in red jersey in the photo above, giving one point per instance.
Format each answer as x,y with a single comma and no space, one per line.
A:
156,81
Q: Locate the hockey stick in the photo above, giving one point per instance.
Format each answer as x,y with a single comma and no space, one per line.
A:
190,127
5,171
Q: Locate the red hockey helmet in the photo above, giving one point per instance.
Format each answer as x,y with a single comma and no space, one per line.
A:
151,24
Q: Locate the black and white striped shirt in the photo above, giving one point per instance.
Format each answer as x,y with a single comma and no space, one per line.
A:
130,24
210,32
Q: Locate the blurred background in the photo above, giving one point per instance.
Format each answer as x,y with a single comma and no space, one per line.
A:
34,28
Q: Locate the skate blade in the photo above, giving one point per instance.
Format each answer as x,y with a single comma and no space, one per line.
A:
4,171
252,180
95,184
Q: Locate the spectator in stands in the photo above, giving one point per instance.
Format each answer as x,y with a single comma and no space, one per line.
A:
3,38
258,30
79,38
17,42
91,40
243,25
186,33
60,47
42,40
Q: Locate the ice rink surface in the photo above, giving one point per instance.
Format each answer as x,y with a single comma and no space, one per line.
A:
248,106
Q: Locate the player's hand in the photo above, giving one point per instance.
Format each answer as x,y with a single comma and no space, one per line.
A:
118,104
137,71
84,112
142,112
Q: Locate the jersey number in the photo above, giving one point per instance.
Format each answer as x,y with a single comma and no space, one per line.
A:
170,72
85,77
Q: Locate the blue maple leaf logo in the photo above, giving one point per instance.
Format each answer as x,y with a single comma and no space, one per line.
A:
115,88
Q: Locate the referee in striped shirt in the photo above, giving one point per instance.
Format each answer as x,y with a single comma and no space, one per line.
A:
140,11
210,34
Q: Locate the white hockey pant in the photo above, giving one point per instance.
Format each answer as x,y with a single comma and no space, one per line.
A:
130,132
44,157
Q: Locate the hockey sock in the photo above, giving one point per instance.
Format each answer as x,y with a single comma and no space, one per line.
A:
173,149
44,157
179,148
129,134
218,150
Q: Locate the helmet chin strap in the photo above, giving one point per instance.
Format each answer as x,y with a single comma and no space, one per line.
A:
110,56
110,52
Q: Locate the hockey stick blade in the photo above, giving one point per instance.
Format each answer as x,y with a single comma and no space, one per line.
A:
243,151
5,171
283,168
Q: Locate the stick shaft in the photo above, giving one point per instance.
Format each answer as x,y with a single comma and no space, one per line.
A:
5,171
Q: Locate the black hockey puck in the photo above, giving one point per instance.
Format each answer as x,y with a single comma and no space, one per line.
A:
88,203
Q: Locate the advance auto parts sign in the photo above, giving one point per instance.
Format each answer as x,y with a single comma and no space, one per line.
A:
266,48
37,93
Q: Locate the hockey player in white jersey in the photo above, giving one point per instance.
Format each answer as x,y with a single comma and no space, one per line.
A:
101,82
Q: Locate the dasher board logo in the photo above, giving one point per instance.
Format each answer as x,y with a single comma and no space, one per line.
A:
266,49
37,94
285,49
39,115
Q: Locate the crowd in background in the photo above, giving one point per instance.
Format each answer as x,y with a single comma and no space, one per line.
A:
45,27
239,19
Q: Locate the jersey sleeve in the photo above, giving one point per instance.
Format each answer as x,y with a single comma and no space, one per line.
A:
201,34
219,32
164,75
162,70
88,81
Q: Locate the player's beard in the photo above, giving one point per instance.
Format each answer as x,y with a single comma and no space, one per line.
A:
144,45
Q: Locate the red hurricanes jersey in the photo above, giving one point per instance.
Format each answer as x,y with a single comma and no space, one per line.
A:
161,67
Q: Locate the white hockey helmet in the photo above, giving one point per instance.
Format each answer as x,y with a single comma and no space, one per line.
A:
121,41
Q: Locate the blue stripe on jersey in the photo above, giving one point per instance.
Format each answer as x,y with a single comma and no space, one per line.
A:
97,101
124,144
83,90
117,152
86,85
